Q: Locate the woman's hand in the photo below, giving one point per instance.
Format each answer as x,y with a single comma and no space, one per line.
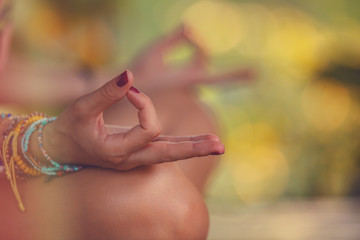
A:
154,72
80,136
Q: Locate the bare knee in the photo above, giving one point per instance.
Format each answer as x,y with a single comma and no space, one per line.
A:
155,202
191,220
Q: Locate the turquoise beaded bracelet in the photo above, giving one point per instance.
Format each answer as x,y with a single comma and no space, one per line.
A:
55,168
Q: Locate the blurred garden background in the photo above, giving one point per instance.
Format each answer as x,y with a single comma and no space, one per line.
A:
292,136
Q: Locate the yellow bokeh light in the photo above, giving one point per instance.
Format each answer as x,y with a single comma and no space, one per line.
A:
284,37
326,104
93,42
43,26
258,168
217,26
247,135
260,174
259,24
296,41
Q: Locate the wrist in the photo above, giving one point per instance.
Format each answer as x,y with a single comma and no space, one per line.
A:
58,146
49,143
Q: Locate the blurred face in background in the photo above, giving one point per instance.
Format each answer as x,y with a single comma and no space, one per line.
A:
5,32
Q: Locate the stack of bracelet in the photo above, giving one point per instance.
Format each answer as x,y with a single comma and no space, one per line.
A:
18,162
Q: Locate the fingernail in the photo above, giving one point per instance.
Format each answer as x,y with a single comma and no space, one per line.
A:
134,90
216,153
122,79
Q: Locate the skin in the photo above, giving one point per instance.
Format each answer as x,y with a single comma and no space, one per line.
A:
149,201
127,205
130,195
141,199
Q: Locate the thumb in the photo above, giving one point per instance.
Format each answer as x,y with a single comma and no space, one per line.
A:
96,102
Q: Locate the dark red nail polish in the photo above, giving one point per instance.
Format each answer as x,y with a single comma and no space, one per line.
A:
134,90
216,153
122,79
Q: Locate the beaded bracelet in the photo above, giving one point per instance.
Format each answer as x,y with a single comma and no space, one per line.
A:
31,170
20,164
54,168
43,151
25,144
60,169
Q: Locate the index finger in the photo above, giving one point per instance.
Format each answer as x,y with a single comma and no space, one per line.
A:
143,133
97,101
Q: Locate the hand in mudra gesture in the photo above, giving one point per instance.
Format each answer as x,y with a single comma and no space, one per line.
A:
80,136
154,71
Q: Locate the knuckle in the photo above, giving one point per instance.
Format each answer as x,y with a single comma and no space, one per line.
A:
107,91
78,108
154,131
194,149
157,130
213,137
165,154
147,100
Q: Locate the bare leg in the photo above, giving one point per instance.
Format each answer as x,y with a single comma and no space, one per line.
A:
155,202
180,113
